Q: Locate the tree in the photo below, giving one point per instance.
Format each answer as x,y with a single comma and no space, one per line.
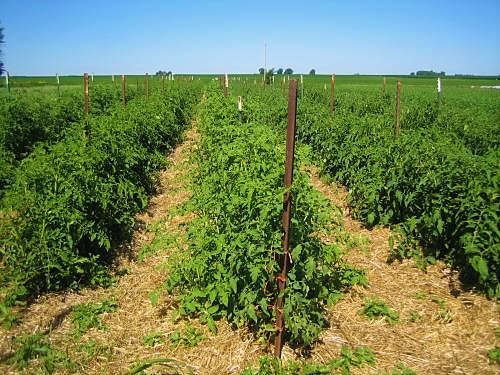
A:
312,72
288,71
261,71
1,42
279,71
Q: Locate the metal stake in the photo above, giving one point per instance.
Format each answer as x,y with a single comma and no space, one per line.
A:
287,216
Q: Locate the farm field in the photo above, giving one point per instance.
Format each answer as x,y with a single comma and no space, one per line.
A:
146,236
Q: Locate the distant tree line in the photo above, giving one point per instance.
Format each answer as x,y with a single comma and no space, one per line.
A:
280,71
428,73
163,73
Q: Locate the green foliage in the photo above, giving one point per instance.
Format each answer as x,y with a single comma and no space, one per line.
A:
494,355
187,337
70,203
36,348
347,360
401,369
92,348
436,188
167,364
231,267
7,317
374,308
88,315
154,338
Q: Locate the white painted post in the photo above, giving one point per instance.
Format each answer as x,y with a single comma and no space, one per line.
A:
301,86
58,86
113,78
439,90
240,103
92,77
7,81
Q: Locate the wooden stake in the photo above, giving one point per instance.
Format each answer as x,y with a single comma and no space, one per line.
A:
397,130
332,95
124,100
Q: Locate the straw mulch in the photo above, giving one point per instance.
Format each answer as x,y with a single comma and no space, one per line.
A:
442,329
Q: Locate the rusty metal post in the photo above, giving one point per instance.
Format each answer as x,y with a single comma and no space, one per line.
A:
146,85
397,130
286,218
332,96
124,98
86,94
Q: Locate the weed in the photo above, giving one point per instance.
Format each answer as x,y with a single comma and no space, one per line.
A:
494,355
347,360
8,318
167,363
415,316
375,308
154,338
401,369
444,314
36,347
87,316
189,337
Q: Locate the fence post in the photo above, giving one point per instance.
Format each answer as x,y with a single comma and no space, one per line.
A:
383,86
226,84
332,95
286,218
398,109
58,86
146,85
439,91
86,94
7,82
124,100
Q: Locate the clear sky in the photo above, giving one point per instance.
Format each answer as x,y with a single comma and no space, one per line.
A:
44,37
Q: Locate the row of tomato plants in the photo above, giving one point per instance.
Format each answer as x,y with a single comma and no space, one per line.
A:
70,202
28,118
440,193
435,187
235,240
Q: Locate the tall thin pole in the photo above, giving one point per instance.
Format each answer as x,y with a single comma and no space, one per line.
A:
287,216
146,85
86,94
265,62
332,96
58,86
124,100
397,131
7,82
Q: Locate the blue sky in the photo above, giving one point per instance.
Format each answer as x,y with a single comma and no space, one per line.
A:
45,37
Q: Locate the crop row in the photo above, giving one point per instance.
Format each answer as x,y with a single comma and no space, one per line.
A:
441,194
69,202
230,269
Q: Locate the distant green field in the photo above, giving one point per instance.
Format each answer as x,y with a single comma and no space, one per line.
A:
352,80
